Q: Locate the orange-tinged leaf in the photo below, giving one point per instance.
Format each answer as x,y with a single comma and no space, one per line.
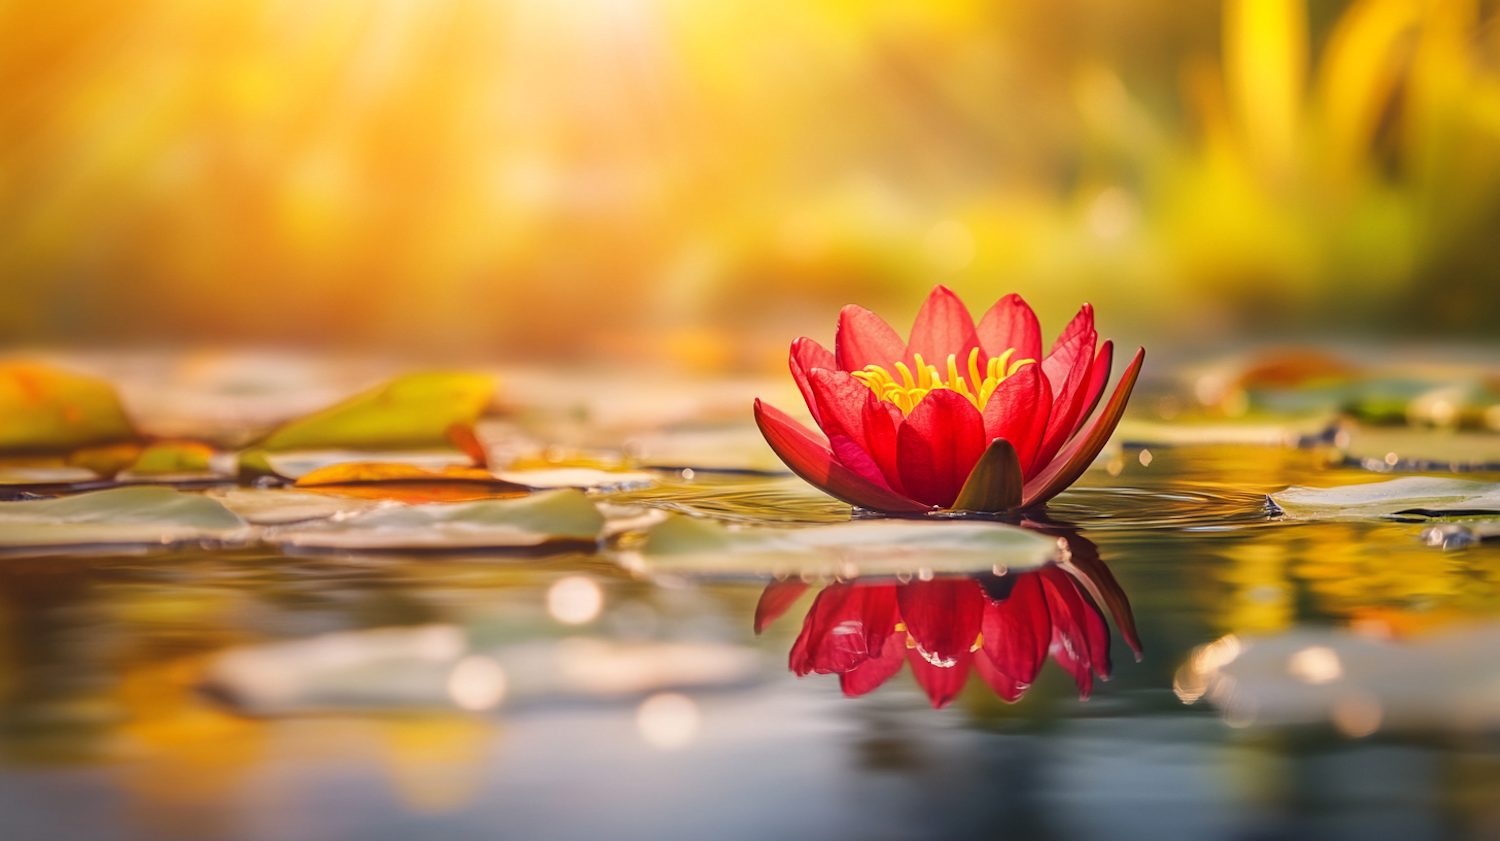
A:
379,471
415,410
408,482
46,409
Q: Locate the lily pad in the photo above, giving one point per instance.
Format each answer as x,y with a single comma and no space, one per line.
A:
563,516
1417,495
579,477
46,409
296,465
416,410
274,506
137,515
845,550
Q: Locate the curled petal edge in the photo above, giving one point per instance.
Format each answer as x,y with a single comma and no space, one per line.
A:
809,457
1075,458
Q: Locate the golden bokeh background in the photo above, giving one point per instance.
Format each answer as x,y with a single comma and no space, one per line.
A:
700,180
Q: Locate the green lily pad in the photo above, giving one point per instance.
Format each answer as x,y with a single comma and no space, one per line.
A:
137,515
45,409
274,507
554,516
868,547
413,411
1425,495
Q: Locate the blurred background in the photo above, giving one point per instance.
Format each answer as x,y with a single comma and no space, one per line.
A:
697,182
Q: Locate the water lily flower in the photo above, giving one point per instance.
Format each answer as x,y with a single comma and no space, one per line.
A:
1002,627
961,416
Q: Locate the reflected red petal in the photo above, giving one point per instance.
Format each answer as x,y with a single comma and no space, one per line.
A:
1017,411
807,355
943,327
808,455
775,599
1010,323
882,420
942,615
942,685
1080,637
841,403
864,338
1069,464
876,670
938,445
1018,630
846,625
1002,683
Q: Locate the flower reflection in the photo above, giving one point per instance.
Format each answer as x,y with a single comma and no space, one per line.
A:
1002,626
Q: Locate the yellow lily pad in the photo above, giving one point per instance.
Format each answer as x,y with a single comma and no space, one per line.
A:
46,409
416,410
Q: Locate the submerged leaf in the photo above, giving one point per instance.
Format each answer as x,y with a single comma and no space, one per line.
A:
118,515
564,515
416,410
874,547
45,409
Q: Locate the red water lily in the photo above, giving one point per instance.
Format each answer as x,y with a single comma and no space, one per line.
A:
962,416
1002,627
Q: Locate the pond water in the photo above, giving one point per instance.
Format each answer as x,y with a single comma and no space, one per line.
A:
1297,677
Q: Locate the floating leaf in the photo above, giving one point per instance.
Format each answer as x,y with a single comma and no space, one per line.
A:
555,516
45,409
433,409
118,515
273,506
579,477
172,458
1419,495
868,547
296,465
408,482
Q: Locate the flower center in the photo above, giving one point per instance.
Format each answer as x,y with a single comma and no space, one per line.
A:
907,392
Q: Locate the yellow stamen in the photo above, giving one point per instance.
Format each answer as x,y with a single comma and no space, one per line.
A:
910,390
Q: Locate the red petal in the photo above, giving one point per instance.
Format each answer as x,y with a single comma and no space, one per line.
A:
1018,630
841,403
998,680
807,355
1080,638
941,685
1011,323
876,670
1080,452
942,615
847,624
882,420
938,445
775,599
863,338
1069,389
1018,411
809,456
1082,323
1098,379
1094,576
943,327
